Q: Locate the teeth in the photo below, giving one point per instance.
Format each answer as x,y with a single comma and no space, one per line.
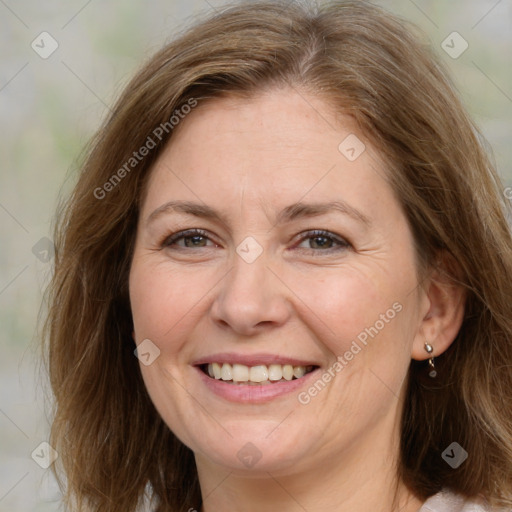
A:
226,372
215,368
254,375
288,372
299,371
275,372
240,373
258,373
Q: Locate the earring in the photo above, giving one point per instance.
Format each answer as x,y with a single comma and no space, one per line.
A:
430,350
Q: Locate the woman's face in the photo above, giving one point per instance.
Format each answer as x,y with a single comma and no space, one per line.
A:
271,282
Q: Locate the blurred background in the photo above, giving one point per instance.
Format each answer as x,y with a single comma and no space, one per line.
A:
62,64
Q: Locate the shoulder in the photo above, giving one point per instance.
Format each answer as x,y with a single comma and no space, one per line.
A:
447,501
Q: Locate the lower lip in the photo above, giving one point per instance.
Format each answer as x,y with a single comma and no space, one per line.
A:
245,393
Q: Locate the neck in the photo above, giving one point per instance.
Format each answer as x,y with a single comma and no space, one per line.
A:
307,493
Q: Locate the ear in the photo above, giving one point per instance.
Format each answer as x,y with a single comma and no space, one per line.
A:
445,299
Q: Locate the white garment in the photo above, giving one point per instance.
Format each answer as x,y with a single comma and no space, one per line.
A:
446,501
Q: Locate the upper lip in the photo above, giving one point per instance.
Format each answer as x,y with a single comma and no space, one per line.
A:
252,359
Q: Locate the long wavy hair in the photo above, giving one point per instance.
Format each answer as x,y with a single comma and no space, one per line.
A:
114,448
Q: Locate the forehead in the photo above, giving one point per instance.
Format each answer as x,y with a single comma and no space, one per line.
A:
274,148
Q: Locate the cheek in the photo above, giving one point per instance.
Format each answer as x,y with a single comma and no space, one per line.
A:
163,299
361,315
341,304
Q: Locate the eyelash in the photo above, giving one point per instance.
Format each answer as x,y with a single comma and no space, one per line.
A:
315,233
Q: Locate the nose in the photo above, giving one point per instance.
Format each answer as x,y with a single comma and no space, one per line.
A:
251,298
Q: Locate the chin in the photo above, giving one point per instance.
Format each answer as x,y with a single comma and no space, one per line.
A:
253,451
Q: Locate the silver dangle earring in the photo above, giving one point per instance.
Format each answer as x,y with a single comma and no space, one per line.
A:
430,350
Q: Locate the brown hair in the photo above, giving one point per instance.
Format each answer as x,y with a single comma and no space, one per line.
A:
363,61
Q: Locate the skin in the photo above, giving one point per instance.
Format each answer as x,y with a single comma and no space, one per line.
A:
249,159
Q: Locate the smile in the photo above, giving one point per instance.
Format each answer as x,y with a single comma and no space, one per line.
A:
241,374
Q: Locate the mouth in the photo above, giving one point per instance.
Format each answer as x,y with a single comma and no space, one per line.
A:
258,375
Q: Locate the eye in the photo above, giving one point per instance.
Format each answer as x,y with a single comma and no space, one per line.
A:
191,238
323,241
318,240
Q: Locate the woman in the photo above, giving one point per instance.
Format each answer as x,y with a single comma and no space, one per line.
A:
290,220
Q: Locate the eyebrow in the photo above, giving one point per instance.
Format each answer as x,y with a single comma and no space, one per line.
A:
287,214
